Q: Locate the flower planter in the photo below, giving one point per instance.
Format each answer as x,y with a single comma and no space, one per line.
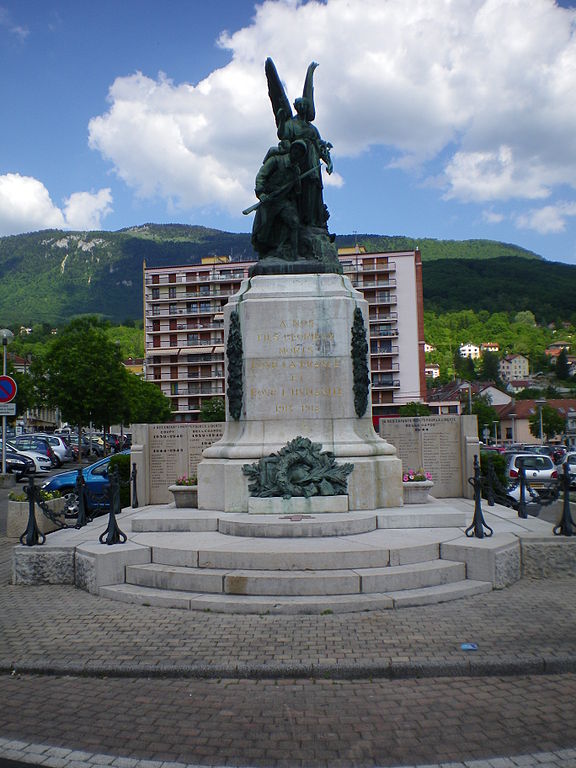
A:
17,519
416,492
185,496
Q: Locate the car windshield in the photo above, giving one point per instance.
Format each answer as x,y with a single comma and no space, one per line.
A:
534,462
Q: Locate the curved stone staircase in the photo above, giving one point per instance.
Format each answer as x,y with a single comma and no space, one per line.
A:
327,563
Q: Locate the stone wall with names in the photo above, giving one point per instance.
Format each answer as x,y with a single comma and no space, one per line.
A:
441,445
168,451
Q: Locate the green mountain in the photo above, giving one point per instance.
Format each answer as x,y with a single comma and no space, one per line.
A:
52,276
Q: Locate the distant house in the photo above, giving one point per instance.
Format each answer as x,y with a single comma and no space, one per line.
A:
470,350
515,419
429,347
519,385
554,349
432,370
490,346
514,367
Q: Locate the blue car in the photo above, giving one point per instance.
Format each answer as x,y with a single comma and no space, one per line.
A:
96,484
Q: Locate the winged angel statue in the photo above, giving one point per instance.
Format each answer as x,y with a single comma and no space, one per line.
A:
290,231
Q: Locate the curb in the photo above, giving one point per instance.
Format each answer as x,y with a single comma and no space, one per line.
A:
513,666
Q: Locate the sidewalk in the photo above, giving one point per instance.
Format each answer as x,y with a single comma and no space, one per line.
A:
87,680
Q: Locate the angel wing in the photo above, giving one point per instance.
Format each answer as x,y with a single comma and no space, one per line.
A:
280,103
308,92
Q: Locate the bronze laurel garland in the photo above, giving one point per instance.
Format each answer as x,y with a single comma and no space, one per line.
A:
301,469
234,352
360,364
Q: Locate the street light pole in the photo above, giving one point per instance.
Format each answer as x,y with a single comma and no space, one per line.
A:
513,417
7,335
495,432
541,403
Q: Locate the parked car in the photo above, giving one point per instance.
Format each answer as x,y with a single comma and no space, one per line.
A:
539,469
35,443
570,461
61,448
96,483
41,462
19,465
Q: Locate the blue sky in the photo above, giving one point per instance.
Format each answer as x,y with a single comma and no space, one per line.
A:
452,119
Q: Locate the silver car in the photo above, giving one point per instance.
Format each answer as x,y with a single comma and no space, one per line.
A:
539,470
570,461
60,447
41,462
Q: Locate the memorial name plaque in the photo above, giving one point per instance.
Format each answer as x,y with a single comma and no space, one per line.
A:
172,451
441,445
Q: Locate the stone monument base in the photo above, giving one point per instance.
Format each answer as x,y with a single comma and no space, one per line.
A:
298,379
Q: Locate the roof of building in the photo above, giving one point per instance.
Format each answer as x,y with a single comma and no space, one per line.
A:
524,409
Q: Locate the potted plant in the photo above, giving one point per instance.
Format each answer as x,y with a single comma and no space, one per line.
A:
185,491
416,485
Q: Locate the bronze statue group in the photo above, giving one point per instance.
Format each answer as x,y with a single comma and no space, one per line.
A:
291,222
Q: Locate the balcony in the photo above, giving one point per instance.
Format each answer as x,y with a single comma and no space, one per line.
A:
383,349
389,317
385,383
381,299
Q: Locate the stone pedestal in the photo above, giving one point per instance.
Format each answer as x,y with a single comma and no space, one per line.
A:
297,380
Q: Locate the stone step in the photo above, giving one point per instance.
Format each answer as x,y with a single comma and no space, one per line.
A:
315,604
297,526
378,549
170,519
328,582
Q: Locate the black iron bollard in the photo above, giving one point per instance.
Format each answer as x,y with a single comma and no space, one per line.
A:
80,490
566,526
522,506
134,488
32,534
113,534
478,522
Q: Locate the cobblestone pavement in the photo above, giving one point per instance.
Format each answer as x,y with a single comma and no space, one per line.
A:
89,681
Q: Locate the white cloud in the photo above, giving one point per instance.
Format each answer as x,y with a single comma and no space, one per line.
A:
8,23
492,217
25,206
551,219
85,210
475,93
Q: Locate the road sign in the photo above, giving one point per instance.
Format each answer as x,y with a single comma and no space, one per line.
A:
8,389
7,409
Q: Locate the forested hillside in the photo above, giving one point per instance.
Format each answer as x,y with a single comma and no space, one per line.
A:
53,276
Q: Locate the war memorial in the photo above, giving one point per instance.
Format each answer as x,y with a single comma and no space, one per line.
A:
300,507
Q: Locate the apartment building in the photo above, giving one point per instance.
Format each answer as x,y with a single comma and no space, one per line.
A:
184,327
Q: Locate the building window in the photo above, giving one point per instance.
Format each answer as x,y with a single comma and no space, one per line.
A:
171,293
172,309
155,293
155,309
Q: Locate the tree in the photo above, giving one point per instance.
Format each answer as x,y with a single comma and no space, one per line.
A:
414,409
213,409
490,368
82,374
552,423
464,367
145,402
482,408
562,366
